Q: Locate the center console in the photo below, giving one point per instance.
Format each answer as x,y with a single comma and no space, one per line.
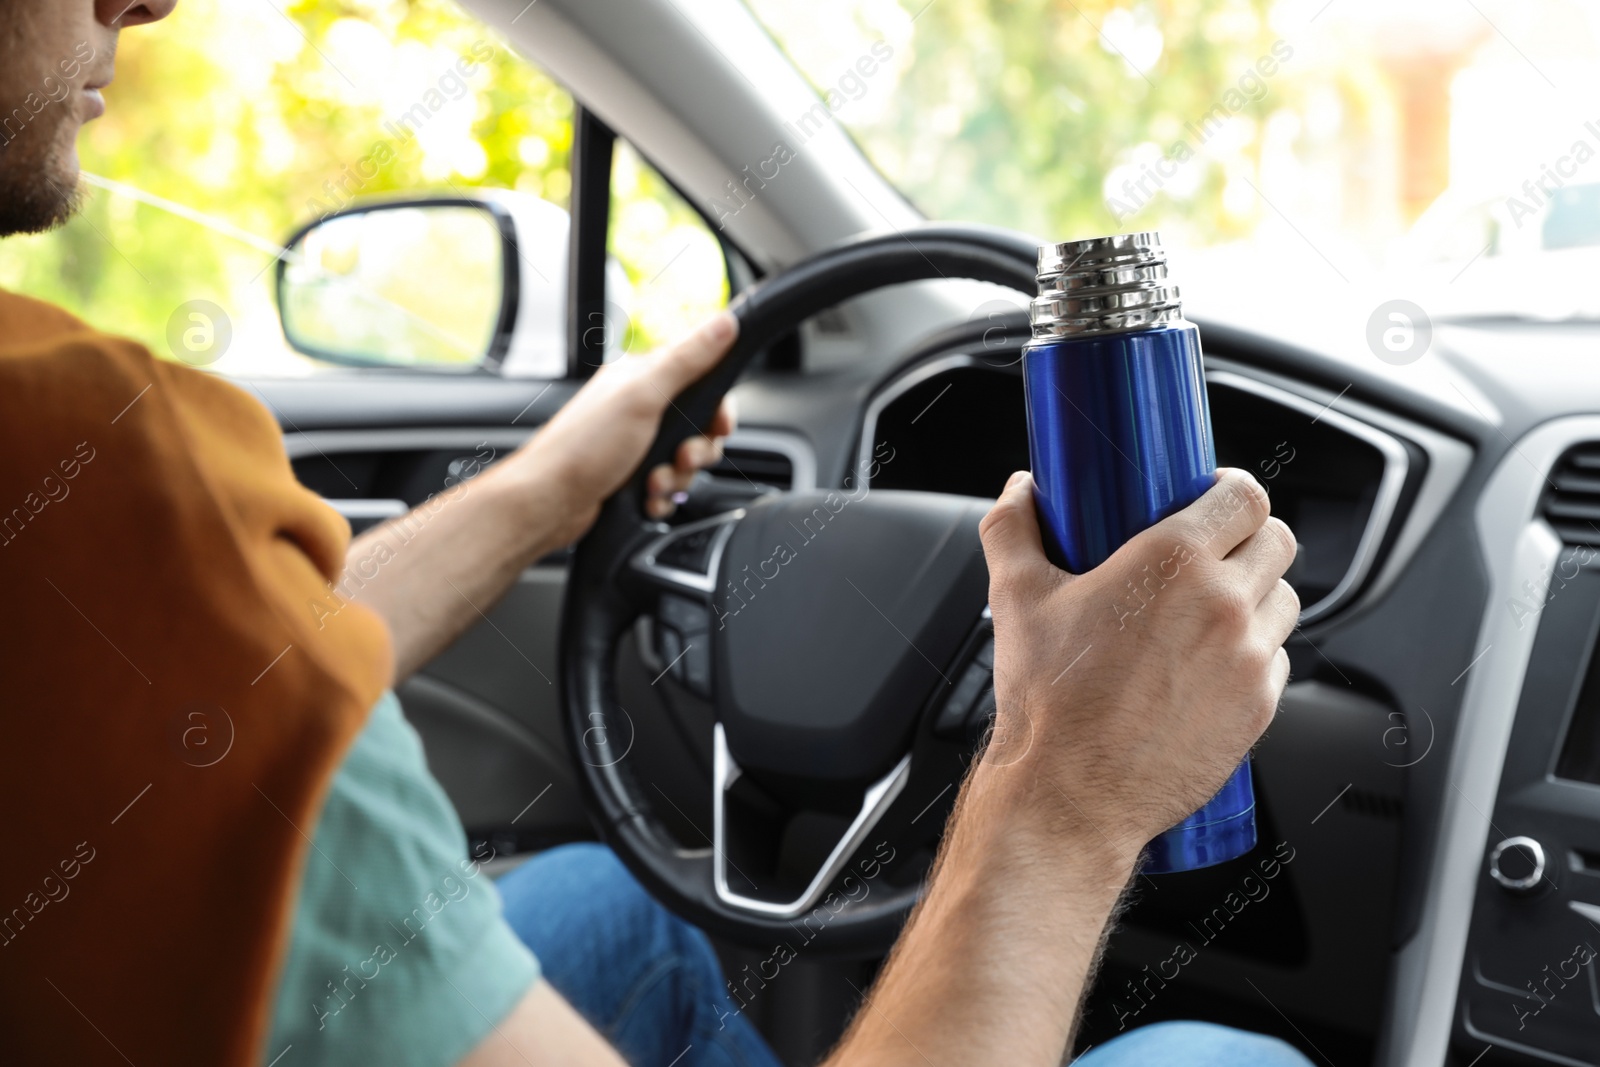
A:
1530,980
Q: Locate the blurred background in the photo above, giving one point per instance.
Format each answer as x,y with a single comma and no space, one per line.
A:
1444,148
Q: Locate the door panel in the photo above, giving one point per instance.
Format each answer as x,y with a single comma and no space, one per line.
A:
509,787
486,707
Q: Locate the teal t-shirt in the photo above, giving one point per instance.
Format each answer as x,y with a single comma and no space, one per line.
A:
399,953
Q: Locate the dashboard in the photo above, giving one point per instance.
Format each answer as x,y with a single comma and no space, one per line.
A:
952,425
1433,773
1435,770
1530,980
1362,487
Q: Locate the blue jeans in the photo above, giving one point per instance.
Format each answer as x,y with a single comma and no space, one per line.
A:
652,985
1186,1044
647,980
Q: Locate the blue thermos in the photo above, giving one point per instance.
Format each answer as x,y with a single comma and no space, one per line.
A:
1119,435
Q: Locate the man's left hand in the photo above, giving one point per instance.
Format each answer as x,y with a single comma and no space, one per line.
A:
438,574
599,438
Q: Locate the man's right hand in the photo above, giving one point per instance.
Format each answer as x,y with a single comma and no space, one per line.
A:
1118,716
1128,694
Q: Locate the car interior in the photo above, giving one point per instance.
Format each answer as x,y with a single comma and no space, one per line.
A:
1428,796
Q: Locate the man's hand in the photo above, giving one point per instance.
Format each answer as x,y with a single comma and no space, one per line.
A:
599,438
434,572
1122,709
1134,690
1126,697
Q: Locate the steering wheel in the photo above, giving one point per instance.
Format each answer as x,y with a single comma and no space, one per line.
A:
841,637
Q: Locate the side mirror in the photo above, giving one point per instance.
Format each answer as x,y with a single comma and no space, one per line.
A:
431,283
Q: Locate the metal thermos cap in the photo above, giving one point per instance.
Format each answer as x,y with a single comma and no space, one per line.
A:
1103,285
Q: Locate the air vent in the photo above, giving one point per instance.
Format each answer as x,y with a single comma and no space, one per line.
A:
756,465
831,322
1572,500
1372,804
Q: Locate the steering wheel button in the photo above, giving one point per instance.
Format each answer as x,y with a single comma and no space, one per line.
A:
670,646
696,665
691,552
684,615
952,719
983,710
985,657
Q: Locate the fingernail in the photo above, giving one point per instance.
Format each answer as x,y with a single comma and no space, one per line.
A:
722,327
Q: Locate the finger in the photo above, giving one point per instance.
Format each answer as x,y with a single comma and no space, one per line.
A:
698,453
689,359
1010,531
1265,555
681,482
1217,523
660,481
668,487
1280,674
726,419
1279,612
659,489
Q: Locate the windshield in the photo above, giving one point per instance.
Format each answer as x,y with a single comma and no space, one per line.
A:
1446,147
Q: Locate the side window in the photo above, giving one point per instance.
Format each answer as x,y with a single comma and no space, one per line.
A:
307,107
667,269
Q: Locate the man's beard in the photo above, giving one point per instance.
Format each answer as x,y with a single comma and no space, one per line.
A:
38,188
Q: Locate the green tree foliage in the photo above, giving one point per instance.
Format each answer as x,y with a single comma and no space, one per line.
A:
1015,112
672,266
265,116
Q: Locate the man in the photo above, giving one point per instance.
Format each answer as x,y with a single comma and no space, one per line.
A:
258,906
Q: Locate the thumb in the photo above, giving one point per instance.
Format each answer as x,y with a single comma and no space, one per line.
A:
689,359
1010,532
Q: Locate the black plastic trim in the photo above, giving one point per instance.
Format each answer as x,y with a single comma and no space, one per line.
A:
593,145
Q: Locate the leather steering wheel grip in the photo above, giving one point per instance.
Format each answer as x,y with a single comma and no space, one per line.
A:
598,609
774,307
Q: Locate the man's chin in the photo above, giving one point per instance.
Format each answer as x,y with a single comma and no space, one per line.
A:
34,200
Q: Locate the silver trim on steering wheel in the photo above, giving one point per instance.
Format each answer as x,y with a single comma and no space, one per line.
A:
876,801
705,584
